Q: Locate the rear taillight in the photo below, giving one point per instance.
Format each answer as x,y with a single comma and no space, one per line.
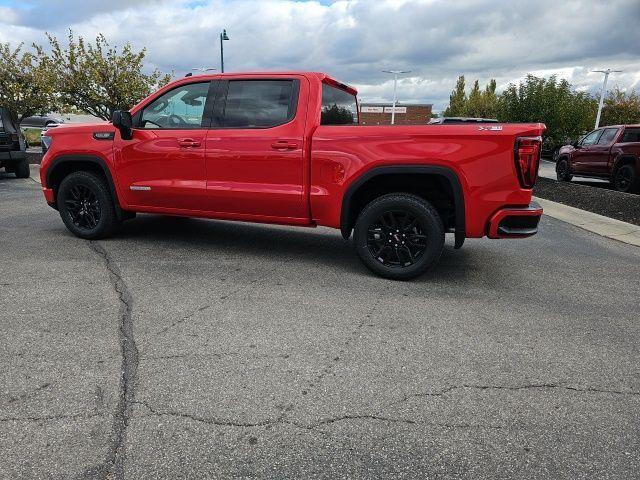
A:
527,157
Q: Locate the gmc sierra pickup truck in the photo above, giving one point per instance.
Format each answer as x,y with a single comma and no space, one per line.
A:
287,148
611,153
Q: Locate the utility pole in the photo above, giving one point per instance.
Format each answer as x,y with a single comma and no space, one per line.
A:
604,90
395,91
223,37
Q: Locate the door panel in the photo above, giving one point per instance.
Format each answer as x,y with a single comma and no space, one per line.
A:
253,168
154,170
582,159
163,165
601,152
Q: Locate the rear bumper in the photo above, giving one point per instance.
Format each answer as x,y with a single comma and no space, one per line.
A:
515,222
13,156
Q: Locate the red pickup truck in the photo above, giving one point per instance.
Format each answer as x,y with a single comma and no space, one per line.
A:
287,148
611,153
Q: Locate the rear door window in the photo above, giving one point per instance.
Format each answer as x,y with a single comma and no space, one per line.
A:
260,103
631,135
608,135
338,107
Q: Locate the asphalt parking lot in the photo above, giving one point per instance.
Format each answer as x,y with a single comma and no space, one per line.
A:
186,348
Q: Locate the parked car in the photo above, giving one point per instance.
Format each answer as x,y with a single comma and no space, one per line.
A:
40,121
611,152
287,148
456,120
13,155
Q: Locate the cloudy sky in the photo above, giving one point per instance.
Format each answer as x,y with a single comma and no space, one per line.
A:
355,39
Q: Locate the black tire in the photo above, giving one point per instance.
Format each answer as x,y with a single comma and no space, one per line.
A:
22,169
416,243
563,170
626,180
86,206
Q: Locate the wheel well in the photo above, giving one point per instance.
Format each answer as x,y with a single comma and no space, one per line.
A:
63,166
624,160
63,169
439,189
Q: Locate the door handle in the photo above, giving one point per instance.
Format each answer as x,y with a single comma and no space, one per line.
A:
188,143
284,145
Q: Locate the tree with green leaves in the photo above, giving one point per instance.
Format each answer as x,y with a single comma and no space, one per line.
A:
566,113
621,108
98,78
26,86
457,100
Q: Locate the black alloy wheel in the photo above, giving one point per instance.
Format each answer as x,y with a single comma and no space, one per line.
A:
563,172
86,206
399,236
625,179
83,207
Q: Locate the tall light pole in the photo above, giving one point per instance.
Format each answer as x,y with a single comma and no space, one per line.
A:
604,89
395,91
223,37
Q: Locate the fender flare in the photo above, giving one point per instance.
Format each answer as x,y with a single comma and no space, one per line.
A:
100,162
445,172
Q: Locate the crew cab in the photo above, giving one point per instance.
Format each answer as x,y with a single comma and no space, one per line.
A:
612,153
287,148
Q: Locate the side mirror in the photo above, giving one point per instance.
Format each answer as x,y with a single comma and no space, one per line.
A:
122,120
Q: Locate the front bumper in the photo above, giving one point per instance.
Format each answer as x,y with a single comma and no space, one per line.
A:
515,222
49,195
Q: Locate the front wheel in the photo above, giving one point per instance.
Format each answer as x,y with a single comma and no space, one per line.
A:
86,206
399,236
563,171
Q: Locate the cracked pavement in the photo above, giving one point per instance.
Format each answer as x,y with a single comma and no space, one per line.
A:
186,348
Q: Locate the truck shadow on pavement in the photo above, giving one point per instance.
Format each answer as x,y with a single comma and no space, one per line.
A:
310,247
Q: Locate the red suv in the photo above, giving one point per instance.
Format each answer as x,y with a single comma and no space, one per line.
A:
287,148
610,152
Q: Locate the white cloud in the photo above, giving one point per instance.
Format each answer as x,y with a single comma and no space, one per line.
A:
355,39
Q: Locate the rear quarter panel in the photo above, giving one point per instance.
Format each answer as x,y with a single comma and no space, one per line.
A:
483,161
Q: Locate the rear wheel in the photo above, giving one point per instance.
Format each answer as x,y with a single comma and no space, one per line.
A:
563,171
626,180
22,169
399,236
86,206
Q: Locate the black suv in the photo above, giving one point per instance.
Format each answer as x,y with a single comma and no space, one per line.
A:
12,146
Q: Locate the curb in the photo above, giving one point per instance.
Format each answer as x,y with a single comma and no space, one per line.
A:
599,224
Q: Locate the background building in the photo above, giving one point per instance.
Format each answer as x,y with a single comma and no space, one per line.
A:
406,114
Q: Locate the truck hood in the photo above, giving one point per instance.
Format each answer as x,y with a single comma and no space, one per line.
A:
70,128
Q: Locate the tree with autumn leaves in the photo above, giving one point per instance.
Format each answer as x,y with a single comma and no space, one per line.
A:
91,77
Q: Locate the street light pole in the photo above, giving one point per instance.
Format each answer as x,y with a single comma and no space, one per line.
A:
395,91
223,37
604,89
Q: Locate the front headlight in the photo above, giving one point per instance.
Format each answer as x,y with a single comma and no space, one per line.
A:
46,142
